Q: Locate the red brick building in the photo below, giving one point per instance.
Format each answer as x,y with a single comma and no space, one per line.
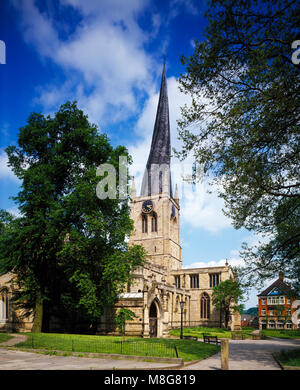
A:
275,306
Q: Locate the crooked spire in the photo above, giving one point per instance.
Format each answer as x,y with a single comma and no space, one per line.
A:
158,164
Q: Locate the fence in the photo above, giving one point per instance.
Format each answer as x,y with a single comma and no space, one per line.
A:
128,347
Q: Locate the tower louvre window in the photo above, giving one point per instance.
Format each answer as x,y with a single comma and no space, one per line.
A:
154,223
144,224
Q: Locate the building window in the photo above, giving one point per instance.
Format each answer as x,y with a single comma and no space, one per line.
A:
214,280
271,312
205,306
3,305
289,325
154,223
275,300
280,324
194,281
263,312
271,324
177,281
288,301
263,301
144,224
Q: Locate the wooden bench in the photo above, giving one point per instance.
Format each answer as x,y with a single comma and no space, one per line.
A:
237,336
190,338
211,339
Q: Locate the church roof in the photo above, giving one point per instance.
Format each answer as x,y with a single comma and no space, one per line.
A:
160,152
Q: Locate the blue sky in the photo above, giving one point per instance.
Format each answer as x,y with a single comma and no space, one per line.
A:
108,55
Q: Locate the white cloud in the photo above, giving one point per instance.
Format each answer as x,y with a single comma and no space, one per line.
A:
105,63
15,212
194,200
5,170
203,210
109,72
234,260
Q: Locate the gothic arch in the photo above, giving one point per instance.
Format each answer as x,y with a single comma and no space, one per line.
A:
144,223
154,222
155,316
4,309
205,306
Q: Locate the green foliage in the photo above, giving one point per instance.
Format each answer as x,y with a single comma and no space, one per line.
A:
225,297
219,332
243,125
5,337
252,311
281,333
290,358
68,249
121,318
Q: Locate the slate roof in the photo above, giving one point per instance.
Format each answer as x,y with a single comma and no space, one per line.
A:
160,151
279,284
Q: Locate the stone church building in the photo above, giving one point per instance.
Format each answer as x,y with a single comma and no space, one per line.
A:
162,292
162,285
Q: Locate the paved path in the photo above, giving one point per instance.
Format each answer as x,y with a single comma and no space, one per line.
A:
248,355
243,355
16,339
19,360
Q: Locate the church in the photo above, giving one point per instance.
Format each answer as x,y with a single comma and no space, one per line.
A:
163,294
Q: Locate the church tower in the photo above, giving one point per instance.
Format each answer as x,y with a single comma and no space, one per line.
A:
156,213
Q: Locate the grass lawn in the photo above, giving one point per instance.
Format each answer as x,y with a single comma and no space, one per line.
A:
282,333
290,358
187,349
4,337
220,333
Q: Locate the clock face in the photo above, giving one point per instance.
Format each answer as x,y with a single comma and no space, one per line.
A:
147,206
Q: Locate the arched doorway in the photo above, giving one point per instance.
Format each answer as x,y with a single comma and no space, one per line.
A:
153,320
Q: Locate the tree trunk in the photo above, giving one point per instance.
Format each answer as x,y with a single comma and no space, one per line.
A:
38,315
226,320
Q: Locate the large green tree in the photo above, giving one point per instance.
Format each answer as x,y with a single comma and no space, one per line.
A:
226,297
243,124
68,250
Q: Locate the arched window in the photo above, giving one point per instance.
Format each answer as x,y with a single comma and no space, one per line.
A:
289,325
144,224
280,325
205,306
3,305
271,324
154,223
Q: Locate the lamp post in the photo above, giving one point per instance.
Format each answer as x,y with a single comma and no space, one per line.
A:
181,329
